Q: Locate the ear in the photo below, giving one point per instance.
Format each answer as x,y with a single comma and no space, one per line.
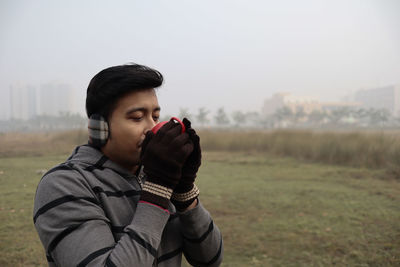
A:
98,130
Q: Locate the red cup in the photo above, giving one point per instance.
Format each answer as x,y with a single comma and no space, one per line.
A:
159,125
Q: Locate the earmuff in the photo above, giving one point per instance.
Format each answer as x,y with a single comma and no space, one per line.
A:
98,130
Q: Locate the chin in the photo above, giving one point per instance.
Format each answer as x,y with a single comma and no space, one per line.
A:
135,161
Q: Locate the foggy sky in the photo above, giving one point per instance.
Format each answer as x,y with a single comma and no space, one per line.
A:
212,53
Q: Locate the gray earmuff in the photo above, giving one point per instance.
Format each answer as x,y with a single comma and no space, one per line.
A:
98,130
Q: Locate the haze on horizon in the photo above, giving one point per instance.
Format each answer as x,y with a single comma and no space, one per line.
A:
213,54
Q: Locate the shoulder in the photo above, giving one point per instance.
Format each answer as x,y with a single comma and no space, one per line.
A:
63,181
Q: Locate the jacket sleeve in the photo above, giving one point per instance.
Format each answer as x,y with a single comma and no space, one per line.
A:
75,231
202,240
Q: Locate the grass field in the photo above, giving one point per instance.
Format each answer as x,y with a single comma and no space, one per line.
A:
272,211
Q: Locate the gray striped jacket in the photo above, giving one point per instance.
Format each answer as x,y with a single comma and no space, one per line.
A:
87,214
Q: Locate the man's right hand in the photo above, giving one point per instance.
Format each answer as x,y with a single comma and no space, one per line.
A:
163,155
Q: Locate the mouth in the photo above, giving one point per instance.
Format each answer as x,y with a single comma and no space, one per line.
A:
140,143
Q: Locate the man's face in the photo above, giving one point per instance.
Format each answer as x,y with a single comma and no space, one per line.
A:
134,115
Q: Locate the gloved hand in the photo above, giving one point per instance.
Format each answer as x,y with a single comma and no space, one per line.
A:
163,155
186,191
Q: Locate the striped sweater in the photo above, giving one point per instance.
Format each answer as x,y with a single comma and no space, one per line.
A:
87,213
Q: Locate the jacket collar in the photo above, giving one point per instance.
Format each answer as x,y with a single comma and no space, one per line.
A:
87,155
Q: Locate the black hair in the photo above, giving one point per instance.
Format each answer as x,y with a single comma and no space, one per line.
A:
111,84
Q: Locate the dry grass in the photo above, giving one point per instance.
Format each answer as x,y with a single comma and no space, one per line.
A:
357,149
39,144
377,150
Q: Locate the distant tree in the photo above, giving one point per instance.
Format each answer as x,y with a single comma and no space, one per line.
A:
254,119
221,118
360,114
239,118
339,114
283,115
385,116
299,114
267,121
201,116
397,120
184,113
316,116
378,116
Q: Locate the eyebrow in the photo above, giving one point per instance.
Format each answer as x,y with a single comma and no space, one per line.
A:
142,109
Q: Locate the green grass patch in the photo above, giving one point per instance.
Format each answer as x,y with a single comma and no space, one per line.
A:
271,211
280,212
20,245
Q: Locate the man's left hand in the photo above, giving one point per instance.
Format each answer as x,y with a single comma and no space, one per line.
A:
186,191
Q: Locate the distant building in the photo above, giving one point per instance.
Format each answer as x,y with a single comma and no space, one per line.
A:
23,102
27,101
387,97
305,104
280,100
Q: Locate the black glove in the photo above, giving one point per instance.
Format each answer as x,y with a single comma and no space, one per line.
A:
186,191
163,155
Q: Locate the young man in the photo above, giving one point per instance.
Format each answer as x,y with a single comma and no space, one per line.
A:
127,198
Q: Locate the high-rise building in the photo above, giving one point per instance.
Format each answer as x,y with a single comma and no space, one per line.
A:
23,102
50,99
387,97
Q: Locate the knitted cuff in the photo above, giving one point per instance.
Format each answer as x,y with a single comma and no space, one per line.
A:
156,194
183,200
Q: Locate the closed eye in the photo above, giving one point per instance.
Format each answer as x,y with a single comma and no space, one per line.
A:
136,118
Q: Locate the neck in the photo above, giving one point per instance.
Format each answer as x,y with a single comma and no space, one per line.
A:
127,165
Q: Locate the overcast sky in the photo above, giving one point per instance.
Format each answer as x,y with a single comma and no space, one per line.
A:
212,53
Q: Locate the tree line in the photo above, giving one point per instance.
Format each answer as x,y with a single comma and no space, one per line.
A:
286,117
62,121
282,118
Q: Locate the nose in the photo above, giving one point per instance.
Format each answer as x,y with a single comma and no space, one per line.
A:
150,124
